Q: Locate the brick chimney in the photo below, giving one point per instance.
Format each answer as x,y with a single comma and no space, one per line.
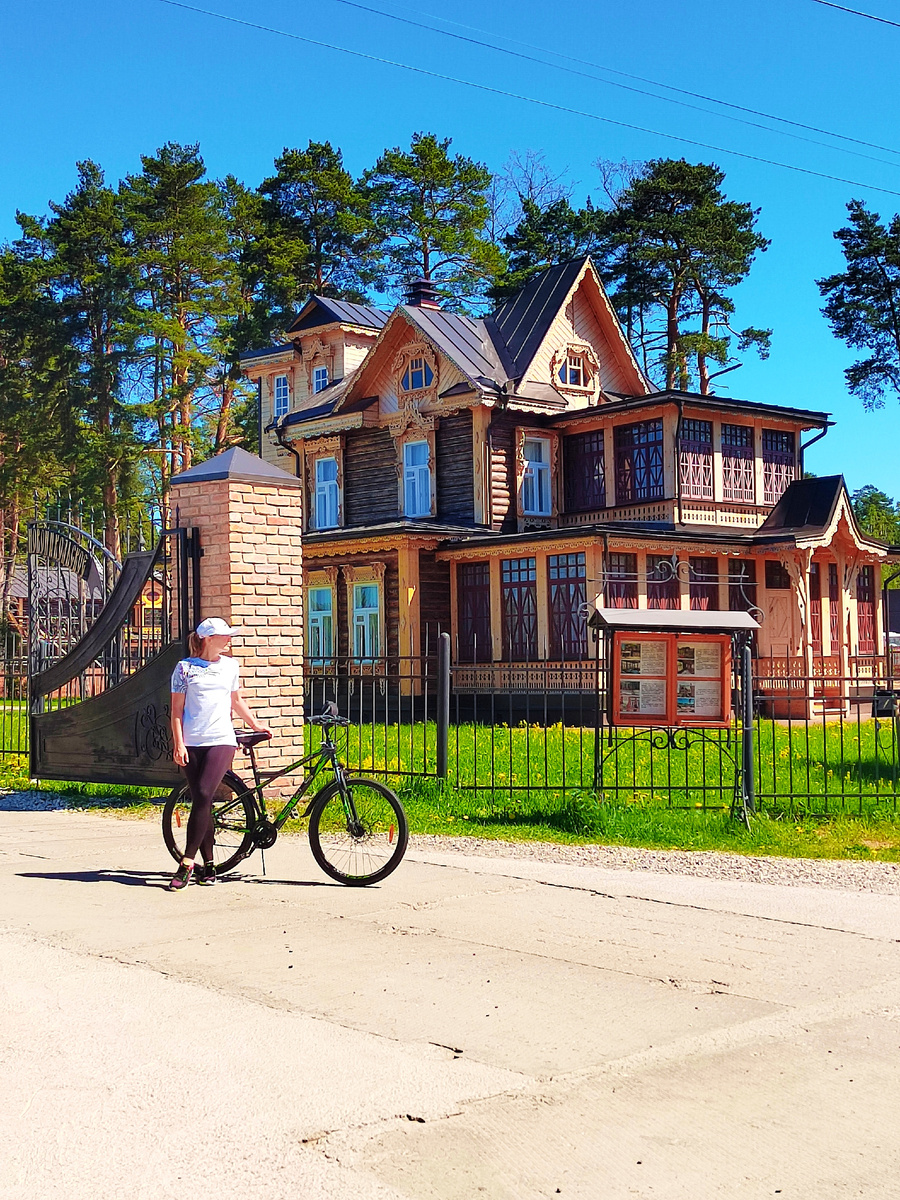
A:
421,293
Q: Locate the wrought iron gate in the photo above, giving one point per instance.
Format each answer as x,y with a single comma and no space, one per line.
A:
103,638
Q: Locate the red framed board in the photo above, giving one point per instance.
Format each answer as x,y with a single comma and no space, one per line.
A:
671,679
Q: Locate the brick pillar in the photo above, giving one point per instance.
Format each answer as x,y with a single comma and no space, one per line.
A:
251,573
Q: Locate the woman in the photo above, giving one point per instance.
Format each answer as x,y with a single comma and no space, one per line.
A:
205,694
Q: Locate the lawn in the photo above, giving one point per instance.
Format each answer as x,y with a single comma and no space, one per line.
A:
826,791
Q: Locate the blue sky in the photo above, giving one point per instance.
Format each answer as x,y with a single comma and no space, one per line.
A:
108,81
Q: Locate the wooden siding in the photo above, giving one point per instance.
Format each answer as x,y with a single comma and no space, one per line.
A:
503,472
578,321
455,469
434,603
370,477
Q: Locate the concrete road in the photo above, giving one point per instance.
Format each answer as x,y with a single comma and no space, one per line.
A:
472,1027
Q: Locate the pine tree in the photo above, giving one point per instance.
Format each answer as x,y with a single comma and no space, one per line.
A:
864,302
432,212
673,246
177,231
543,238
321,218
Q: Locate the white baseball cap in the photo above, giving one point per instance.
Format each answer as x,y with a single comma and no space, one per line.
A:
215,627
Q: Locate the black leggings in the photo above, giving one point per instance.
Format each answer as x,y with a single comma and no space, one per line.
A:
205,770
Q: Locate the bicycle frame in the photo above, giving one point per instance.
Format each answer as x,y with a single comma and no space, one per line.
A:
326,755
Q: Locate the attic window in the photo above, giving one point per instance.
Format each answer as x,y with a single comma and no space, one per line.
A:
417,376
575,367
320,379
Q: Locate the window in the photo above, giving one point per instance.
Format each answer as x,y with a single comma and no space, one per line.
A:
621,581
834,608
473,595
778,463
815,607
536,477
282,397
778,577
320,623
741,584
639,461
326,493
366,620
696,460
865,609
738,483
663,590
704,584
572,371
320,379
416,480
585,471
518,592
567,582
418,375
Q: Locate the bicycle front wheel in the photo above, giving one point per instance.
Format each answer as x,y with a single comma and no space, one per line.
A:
233,818
358,839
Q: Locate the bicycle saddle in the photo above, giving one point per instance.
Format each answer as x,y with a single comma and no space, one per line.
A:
246,738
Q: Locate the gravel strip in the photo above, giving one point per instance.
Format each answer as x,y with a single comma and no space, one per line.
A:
841,874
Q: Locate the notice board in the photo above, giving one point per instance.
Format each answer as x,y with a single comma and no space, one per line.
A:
671,679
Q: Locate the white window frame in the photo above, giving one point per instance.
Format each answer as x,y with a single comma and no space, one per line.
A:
417,486
328,495
418,365
536,478
365,624
320,379
320,624
281,397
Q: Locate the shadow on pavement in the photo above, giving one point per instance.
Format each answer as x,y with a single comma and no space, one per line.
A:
161,878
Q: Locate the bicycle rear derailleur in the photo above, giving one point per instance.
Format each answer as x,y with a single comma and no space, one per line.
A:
264,834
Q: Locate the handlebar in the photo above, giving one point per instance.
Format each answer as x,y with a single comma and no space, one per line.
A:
328,721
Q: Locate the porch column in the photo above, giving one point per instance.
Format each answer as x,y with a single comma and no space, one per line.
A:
249,516
409,625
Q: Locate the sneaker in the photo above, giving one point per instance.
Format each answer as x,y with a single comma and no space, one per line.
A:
207,875
181,878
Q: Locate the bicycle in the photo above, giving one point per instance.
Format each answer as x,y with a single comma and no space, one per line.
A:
357,832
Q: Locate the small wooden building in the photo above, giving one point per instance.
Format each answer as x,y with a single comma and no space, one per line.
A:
492,476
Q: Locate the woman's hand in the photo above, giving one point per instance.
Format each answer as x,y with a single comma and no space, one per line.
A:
263,729
180,755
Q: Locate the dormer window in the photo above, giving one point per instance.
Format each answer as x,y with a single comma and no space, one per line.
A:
320,379
575,368
417,376
571,373
281,397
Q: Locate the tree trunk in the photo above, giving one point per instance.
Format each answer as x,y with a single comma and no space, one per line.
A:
702,365
224,411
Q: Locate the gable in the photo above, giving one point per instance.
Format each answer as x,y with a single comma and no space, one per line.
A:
381,372
584,317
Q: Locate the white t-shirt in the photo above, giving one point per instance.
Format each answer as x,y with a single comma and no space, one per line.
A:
207,688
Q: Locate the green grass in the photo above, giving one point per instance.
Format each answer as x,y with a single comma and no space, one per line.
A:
834,785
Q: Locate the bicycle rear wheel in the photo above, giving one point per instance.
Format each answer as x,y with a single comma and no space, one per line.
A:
367,850
233,820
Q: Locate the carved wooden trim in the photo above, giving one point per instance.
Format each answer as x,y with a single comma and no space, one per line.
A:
402,359
422,430
523,432
590,364
372,572
325,447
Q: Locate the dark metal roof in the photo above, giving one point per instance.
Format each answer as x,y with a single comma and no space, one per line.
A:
237,464
622,403
322,310
465,340
394,526
266,351
805,509
523,320
673,619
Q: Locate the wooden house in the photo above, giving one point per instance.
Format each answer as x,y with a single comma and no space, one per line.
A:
493,477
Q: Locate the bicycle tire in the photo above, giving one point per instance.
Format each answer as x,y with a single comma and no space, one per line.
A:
233,821
340,853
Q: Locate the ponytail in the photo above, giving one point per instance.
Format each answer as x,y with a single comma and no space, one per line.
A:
195,644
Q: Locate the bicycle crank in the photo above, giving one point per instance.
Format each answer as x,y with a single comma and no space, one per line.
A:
264,834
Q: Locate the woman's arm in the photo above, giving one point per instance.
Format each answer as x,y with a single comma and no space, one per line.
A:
239,708
180,754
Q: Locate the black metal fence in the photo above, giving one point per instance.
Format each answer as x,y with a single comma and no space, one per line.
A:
506,732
